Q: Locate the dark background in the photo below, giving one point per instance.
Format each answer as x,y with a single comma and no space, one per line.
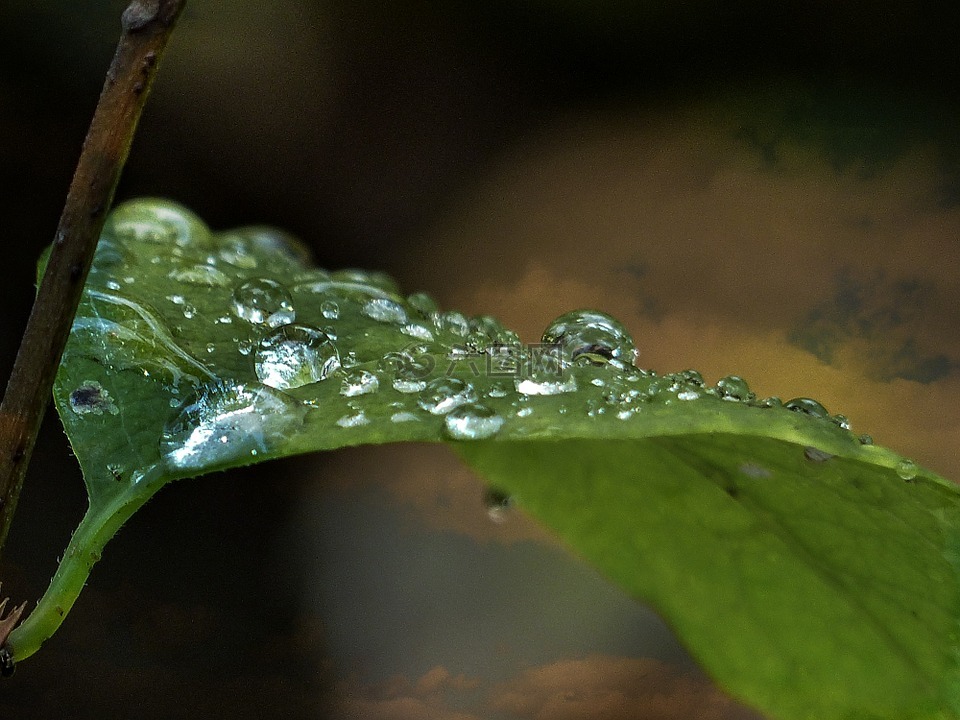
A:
358,126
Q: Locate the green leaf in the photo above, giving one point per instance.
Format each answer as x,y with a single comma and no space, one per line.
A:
813,574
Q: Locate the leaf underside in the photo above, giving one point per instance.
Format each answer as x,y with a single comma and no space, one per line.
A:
813,575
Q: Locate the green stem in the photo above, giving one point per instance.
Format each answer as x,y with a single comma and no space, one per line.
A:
95,529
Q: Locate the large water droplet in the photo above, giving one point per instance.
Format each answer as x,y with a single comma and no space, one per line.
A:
295,355
227,422
591,336
385,310
472,422
442,395
262,301
156,221
807,406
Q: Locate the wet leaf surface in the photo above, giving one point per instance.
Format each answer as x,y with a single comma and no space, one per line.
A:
813,574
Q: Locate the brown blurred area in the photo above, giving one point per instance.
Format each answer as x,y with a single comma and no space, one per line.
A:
769,189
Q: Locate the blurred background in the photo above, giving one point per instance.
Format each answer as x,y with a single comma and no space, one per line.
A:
771,190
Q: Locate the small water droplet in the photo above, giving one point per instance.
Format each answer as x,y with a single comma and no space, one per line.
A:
330,309
359,382
378,280
816,454
525,411
417,331
408,371
807,406
295,355
734,387
497,391
237,252
591,336
263,301
865,439
545,383
755,471
498,505
400,417
355,420
907,470
687,395
841,421
260,241
108,254
689,377
225,422
384,310
422,304
472,421
211,347
408,385
770,402
442,395
91,398
203,275
113,285
453,322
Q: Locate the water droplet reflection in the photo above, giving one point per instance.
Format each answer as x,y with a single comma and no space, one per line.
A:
295,355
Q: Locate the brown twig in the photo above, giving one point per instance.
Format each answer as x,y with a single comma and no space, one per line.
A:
146,28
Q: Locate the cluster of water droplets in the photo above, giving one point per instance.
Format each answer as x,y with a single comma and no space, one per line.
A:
470,375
